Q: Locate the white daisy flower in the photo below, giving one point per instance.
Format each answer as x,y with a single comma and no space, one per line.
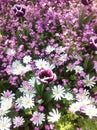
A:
19,102
69,96
61,49
32,81
6,104
10,51
27,59
84,102
42,64
91,111
70,68
27,68
58,92
49,49
38,118
74,107
89,82
5,123
63,57
54,116
81,96
17,68
27,90
18,121
28,101
78,69
3,112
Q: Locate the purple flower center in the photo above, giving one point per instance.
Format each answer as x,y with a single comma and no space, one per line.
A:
45,74
19,10
95,41
86,2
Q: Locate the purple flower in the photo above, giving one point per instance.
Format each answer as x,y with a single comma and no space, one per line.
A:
19,10
86,2
46,76
93,43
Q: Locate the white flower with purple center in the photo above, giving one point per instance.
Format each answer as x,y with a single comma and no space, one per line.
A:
46,76
18,121
38,118
89,82
58,92
5,123
7,95
27,90
54,116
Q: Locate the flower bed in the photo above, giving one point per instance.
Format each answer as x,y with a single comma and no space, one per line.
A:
48,65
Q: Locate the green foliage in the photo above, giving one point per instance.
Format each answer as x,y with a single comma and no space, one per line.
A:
28,111
84,19
17,33
87,124
47,96
67,122
88,65
39,89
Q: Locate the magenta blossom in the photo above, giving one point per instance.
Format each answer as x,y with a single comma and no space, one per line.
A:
93,43
19,10
95,66
46,76
86,2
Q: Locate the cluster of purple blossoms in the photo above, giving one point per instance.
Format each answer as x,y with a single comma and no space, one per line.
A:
48,63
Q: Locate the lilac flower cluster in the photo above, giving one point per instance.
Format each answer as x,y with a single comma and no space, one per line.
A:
48,61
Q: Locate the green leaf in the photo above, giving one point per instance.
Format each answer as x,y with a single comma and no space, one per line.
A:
81,18
88,65
88,19
47,96
18,37
39,89
28,112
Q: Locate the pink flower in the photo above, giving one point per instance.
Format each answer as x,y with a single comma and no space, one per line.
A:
93,43
79,129
19,10
75,90
95,66
41,108
79,83
46,76
18,121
